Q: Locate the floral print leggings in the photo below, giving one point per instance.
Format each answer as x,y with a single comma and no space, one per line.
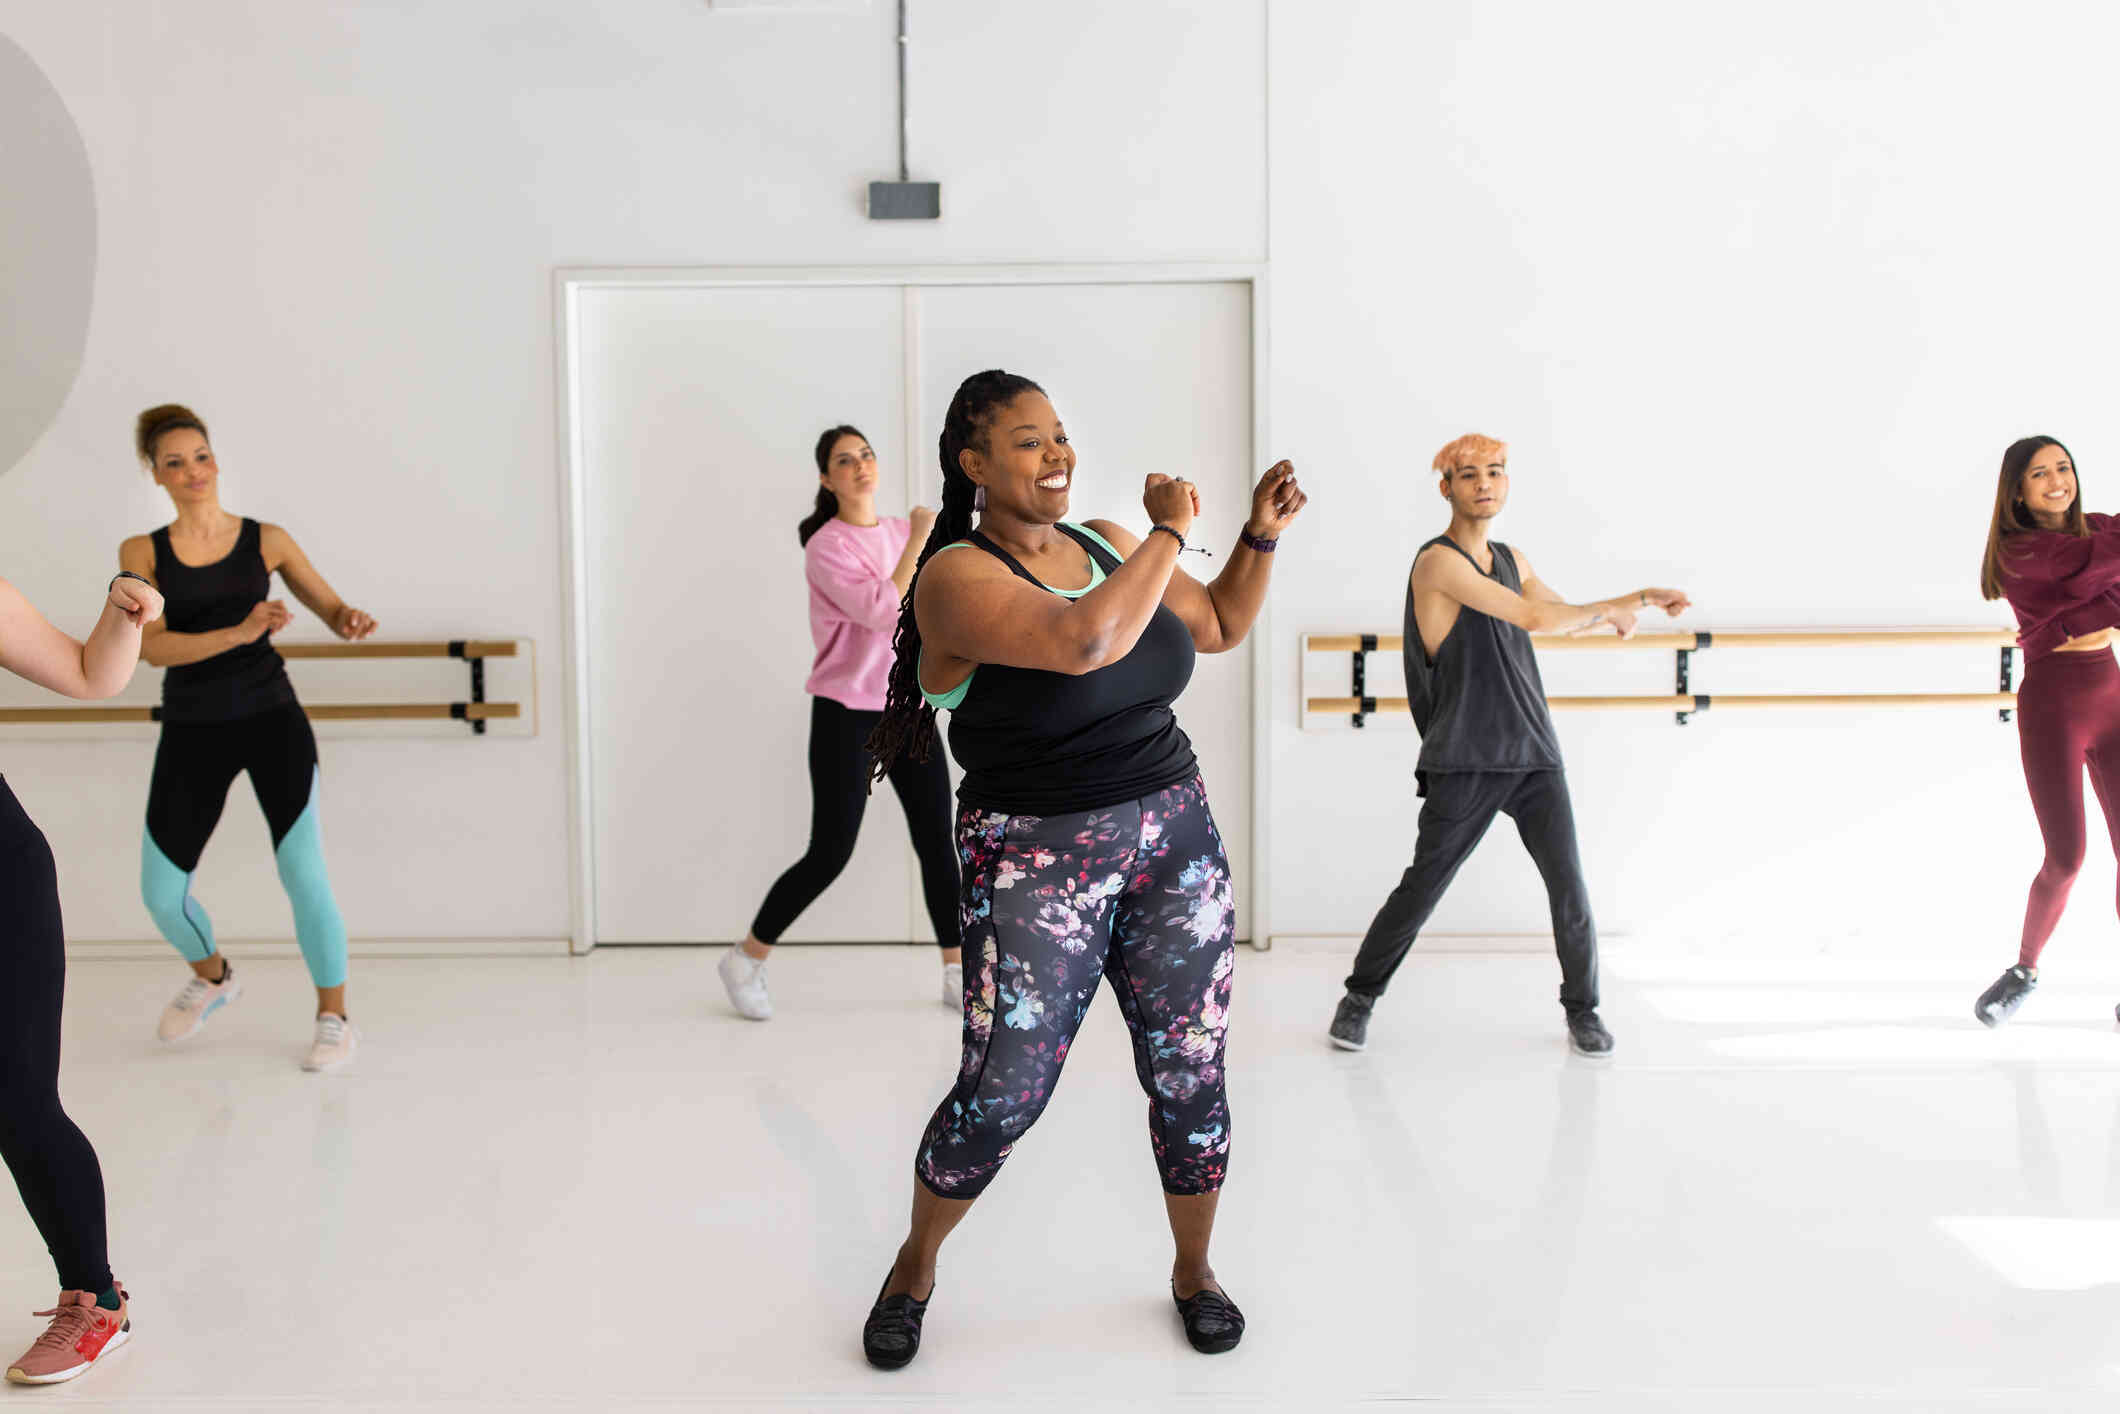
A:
1137,893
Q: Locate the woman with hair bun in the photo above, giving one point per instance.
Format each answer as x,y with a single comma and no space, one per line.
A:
858,564
228,708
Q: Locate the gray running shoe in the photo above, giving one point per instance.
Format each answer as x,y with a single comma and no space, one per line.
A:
1999,1002
1350,1024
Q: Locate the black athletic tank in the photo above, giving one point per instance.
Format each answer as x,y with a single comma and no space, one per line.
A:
243,681
1033,742
1480,705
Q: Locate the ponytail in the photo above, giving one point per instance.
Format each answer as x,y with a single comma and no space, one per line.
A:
827,503
907,727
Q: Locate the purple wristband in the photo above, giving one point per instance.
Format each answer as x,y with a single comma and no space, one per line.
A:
1253,542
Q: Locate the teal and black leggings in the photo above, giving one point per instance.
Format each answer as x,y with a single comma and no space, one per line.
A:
194,767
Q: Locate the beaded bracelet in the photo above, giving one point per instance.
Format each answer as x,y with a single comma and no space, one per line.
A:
1182,546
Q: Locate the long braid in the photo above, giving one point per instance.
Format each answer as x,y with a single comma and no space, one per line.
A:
907,727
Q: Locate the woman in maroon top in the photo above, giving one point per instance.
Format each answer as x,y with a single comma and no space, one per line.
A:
2060,570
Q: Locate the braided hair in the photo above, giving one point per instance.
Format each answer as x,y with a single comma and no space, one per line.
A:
908,724
827,502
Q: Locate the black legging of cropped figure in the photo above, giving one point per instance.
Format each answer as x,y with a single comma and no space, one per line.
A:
839,794
53,1163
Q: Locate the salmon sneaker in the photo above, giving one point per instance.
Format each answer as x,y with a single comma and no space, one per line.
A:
81,1333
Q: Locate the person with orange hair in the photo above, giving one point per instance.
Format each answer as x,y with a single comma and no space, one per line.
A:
1487,741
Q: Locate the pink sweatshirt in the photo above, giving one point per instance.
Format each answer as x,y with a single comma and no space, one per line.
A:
854,609
2062,586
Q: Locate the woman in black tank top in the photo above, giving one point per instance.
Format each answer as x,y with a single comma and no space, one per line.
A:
228,708
1089,852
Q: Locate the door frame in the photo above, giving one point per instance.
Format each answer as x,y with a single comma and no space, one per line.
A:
569,283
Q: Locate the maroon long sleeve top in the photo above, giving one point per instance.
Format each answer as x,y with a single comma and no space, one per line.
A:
2062,586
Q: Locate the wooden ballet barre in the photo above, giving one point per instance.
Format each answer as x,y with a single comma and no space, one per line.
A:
475,712
454,648
1682,646
1701,702
1690,642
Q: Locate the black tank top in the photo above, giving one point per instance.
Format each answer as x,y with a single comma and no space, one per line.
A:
1033,742
1480,705
245,680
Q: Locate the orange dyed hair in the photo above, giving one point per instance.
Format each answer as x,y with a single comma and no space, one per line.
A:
1470,447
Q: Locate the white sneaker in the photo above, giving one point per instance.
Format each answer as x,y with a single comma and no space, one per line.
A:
745,977
333,1047
191,1008
953,985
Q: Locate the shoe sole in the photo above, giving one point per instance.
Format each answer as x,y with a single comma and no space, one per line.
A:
16,1377
205,1016
890,1362
1215,1347
1347,1045
1605,1054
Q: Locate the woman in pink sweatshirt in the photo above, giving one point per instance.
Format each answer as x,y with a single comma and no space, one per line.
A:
858,564
2060,570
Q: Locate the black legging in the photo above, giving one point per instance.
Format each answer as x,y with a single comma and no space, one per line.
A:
53,1164
839,793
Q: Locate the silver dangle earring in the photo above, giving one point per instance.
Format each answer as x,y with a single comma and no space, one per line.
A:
979,498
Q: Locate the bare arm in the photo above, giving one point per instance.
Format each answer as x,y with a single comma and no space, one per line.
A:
1221,612
922,521
1444,571
1672,601
31,648
284,557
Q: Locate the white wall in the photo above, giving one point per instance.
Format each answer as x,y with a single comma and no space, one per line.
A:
1757,297
333,230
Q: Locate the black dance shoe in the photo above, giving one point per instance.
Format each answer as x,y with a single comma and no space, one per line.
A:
1998,1002
1212,1321
1587,1035
891,1335
1350,1024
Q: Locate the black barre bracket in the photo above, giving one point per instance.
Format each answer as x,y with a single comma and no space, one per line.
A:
1365,705
2009,658
457,649
1685,675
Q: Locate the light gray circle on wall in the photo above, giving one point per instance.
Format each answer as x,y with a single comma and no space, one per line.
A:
47,252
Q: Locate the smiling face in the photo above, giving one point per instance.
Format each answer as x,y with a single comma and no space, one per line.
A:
850,469
2049,486
184,466
1027,464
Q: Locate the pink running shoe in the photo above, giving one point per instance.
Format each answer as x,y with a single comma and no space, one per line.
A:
81,1334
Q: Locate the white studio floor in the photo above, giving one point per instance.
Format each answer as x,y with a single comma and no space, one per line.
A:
582,1185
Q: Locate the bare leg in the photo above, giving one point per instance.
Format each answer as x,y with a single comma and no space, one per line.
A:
1192,1224
952,957
754,949
332,999
213,967
933,1219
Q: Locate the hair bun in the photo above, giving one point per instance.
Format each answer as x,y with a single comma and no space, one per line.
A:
156,421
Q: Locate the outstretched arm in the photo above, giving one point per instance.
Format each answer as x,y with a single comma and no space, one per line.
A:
1442,570
1672,601
286,557
31,648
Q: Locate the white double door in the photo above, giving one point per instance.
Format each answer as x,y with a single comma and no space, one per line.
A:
697,409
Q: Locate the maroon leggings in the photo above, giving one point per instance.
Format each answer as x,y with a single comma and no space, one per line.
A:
2068,715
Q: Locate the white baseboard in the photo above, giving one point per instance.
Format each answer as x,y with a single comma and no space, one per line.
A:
155,949
1435,942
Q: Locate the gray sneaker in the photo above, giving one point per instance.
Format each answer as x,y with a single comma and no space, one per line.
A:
1350,1024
